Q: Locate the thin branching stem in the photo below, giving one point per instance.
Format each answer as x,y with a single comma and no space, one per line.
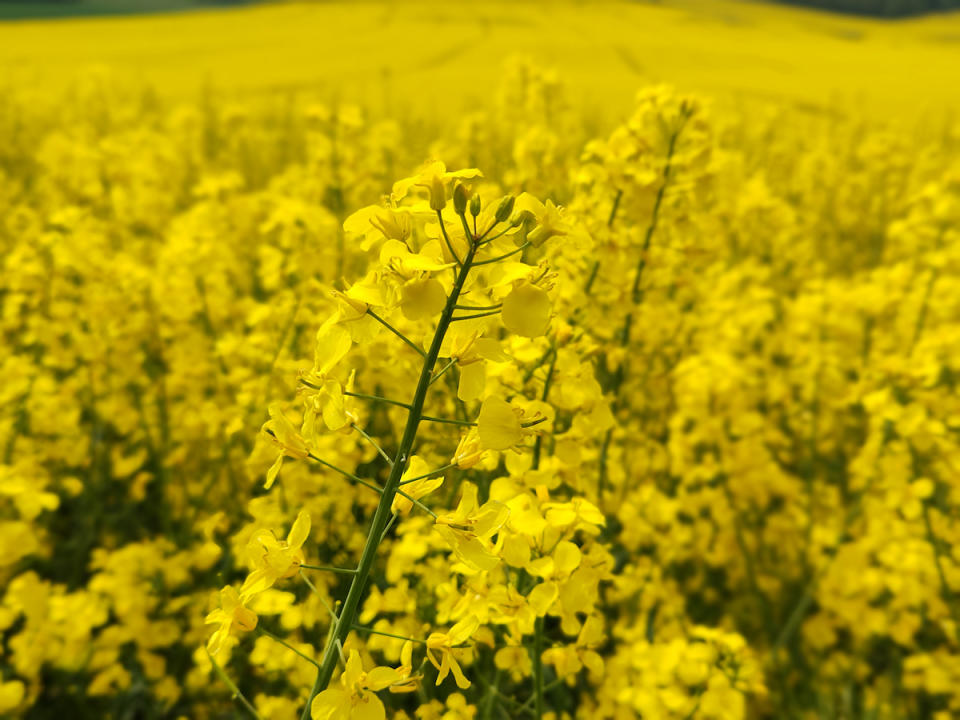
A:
363,628
467,232
373,443
636,292
321,598
396,332
367,484
440,373
374,398
499,235
233,688
538,668
475,316
498,258
487,232
432,473
497,306
381,519
448,421
446,238
945,590
548,381
287,645
386,530
328,568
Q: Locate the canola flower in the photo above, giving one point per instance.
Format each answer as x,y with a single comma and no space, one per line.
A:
654,422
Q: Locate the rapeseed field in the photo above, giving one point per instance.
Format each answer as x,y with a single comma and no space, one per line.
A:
477,361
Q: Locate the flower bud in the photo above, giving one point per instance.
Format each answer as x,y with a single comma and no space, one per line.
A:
475,205
438,194
525,222
460,199
505,208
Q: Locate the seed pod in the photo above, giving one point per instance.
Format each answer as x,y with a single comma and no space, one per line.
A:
460,199
505,208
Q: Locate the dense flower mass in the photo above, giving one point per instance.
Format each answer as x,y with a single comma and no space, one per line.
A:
658,420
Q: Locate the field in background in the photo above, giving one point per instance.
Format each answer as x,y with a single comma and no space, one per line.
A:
432,56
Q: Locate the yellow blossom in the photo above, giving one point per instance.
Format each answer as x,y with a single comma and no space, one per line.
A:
232,614
443,644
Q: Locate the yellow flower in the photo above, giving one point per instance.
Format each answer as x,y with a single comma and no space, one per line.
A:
375,224
434,177
515,659
357,699
526,310
570,659
416,489
498,425
550,222
332,344
468,529
11,695
555,570
472,353
330,403
721,701
286,437
408,681
422,298
469,451
443,644
275,559
232,614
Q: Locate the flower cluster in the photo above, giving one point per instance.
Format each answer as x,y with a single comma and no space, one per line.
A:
656,424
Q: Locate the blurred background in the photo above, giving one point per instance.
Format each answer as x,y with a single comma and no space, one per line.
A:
409,56
55,8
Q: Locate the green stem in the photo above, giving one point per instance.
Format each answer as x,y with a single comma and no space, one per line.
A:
602,474
367,484
381,518
373,443
595,268
538,445
499,235
363,628
945,589
538,668
233,688
538,364
363,396
393,519
616,206
287,645
442,371
430,474
635,293
491,696
528,705
448,421
446,238
323,601
498,258
328,568
396,332
474,316
480,307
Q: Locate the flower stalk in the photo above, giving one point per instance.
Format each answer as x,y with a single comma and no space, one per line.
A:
351,605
